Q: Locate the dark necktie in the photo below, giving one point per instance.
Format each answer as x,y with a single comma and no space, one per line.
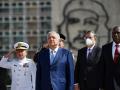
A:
89,53
116,54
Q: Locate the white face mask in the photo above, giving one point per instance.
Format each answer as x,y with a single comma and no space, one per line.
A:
88,42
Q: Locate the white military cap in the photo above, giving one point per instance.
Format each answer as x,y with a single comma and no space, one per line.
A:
21,45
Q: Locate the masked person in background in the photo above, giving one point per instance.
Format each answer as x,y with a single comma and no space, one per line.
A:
87,69
23,69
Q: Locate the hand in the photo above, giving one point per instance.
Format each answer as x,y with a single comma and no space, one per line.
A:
9,54
76,87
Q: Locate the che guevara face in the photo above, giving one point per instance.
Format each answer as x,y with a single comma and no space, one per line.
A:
79,22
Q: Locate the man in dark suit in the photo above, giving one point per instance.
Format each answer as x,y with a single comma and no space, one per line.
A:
87,65
4,78
110,62
44,46
3,75
55,69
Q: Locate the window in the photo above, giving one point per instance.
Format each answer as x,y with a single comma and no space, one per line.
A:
20,33
34,18
32,25
4,25
43,38
46,25
34,3
41,3
4,40
14,18
28,33
34,32
20,18
17,25
17,39
48,18
42,32
6,33
32,39
17,10
6,4
41,18
1,34
27,3
20,4
45,9
14,33
0,4
4,10
28,18
0,18
7,19
48,3
7,47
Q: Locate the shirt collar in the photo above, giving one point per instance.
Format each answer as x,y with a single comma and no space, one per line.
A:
56,49
91,47
115,44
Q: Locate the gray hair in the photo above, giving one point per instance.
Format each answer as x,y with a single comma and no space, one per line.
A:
55,33
91,32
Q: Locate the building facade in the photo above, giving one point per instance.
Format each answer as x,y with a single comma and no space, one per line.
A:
31,20
24,20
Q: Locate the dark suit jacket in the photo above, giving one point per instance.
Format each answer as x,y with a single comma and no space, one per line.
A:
37,55
88,69
3,76
57,76
109,69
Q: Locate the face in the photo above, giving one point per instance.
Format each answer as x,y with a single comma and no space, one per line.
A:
61,44
85,21
21,53
90,39
53,41
45,45
116,35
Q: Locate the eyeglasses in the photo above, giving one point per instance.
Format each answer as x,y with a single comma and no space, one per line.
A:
88,37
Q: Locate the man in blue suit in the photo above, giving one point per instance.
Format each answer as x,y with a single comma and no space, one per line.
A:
55,68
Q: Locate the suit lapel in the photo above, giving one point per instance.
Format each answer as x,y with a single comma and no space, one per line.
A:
57,57
110,51
85,54
93,55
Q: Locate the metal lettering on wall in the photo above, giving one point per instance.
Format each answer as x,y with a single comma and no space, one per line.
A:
81,16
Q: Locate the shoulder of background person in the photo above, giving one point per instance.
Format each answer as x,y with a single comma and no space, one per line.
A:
107,45
82,49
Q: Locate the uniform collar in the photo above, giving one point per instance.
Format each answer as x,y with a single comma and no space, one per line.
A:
22,60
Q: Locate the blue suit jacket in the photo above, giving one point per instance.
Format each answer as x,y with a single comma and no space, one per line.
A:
57,76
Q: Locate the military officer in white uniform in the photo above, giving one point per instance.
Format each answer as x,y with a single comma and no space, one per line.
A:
23,69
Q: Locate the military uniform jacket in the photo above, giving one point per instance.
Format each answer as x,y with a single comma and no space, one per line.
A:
23,73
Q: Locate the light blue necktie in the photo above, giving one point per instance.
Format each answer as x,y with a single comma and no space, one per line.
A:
52,57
